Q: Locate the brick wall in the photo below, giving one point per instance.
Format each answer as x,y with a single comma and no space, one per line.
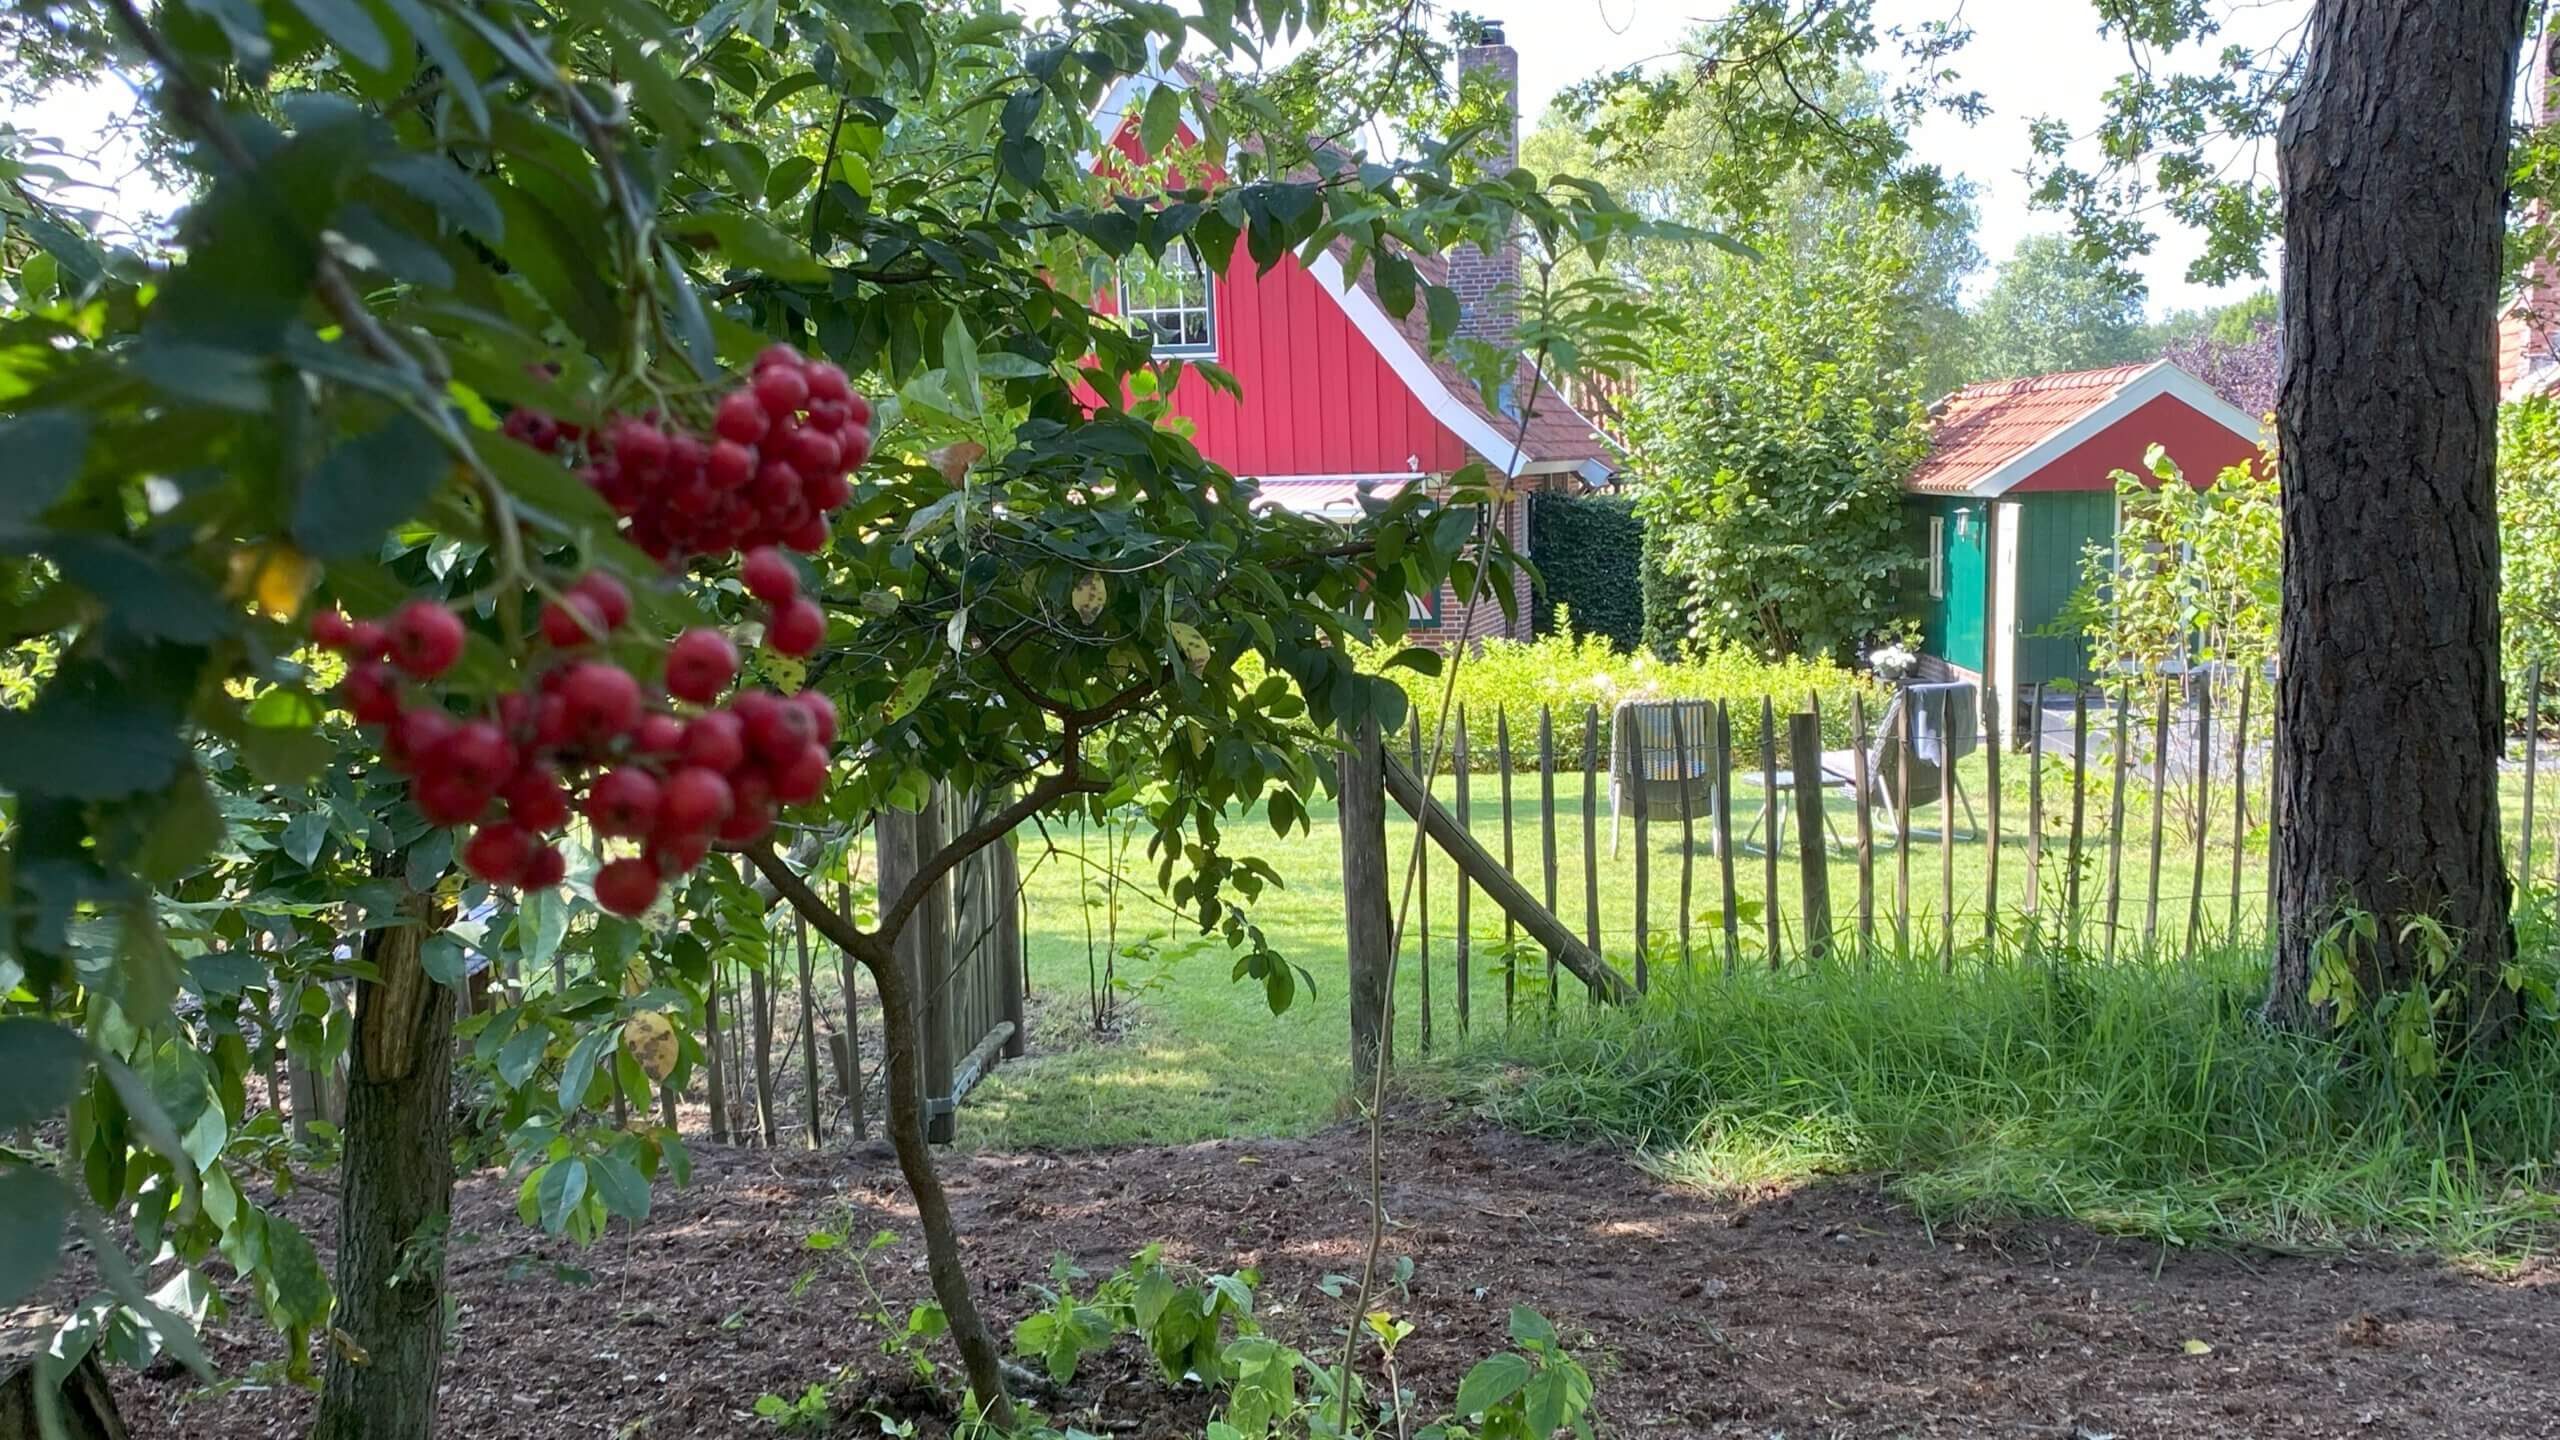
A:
1489,619
1487,284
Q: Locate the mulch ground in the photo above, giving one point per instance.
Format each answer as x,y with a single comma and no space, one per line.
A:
1823,1312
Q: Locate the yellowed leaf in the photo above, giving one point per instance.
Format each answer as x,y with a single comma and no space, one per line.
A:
275,578
1194,648
653,1043
2197,1347
1088,596
953,460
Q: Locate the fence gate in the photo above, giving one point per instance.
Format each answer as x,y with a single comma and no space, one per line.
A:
963,949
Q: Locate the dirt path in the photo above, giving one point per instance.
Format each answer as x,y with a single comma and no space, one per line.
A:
1822,1313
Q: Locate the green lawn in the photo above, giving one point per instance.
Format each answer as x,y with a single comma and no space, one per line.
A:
1199,1055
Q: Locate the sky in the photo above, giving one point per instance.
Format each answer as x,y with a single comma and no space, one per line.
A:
2028,58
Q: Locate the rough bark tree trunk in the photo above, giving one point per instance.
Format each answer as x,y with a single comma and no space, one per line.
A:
760,1024
2393,157
715,1084
396,1191
85,1402
1368,911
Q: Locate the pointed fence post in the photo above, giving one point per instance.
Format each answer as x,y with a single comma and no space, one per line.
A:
1804,738
1368,919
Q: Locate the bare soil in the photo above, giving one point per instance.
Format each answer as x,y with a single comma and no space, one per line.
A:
1828,1312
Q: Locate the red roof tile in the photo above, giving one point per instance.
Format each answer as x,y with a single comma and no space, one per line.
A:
1980,428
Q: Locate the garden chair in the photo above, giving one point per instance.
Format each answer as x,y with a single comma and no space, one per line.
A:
1946,726
1642,752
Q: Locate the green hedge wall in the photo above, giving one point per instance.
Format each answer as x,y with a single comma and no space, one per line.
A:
1586,548
1668,611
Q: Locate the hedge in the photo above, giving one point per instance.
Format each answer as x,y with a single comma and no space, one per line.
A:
1586,548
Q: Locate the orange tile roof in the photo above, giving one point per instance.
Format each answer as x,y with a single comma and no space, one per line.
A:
1982,427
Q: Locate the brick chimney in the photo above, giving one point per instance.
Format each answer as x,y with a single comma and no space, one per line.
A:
1488,284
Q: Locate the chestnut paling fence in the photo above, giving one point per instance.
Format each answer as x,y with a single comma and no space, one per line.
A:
2116,826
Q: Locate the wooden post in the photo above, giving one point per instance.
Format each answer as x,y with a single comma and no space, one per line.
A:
1688,828
1466,935
2079,810
1547,825
1947,831
1500,886
1991,638
2159,793
2115,820
761,1028
1866,827
2239,805
2035,822
2204,815
1902,838
1368,917
808,1033
1632,745
1422,890
2532,762
852,1038
1013,976
1591,831
1724,836
1510,928
1772,801
716,1085
1813,857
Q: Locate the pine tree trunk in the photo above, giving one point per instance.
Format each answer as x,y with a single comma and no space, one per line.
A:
2393,158
396,1192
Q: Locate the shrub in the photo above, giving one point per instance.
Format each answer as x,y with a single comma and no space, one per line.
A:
1573,673
1587,548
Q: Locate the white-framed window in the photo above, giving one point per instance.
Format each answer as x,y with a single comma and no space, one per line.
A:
1171,299
1937,557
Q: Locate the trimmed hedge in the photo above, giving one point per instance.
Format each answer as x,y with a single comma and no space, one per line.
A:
1670,614
1586,548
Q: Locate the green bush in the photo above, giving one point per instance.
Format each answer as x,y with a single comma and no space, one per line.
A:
1586,547
1576,673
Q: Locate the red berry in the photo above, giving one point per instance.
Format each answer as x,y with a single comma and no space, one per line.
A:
418,733
612,600
369,641
573,620
751,820
827,490
623,801
808,535
781,390
372,693
828,416
602,701
477,752
547,868
802,778
676,854
627,887
450,799
535,799
769,576
331,630
854,444
659,734
858,410
741,417
694,801
499,853
717,741
551,721
426,638
638,445
777,484
730,465
700,665
826,382
822,715
778,354
796,627
778,728
814,453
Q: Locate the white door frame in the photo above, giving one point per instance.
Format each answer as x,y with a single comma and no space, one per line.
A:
2003,642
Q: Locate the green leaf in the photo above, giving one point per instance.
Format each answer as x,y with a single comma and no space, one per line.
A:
1441,303
620,1185
45,450
1162,120
750,244
542,918
430,855
304,834
147,595
33,1210
522,1054
784,89
86,748
788,179
448,189
578,1073
1528,1327
348,27
302,1295
364,487
187,826
445,960
1494,1379
960,363
562,1190
41,1065
1024,158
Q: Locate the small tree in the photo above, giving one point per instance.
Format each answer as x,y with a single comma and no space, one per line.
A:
2529,539
1771,436
2194,574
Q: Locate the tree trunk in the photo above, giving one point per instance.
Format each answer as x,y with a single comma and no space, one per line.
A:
1368,920
808,1036
396,1191
2393,157
715,1084
86,1403
760,1027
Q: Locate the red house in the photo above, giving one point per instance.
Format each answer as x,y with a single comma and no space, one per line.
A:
1339,394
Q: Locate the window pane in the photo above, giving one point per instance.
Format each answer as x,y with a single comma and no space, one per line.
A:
1170,299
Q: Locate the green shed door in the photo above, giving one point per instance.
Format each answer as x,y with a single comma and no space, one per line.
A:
2056,531
1964,584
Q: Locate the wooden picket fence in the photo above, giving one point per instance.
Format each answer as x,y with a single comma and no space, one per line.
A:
2146,828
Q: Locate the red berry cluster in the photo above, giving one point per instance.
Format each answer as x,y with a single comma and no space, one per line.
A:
586,739
777,462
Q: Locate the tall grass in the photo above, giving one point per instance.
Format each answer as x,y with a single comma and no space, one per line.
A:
2141,1099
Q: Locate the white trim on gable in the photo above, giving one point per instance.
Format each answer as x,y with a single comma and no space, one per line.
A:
1388,339
2162,378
